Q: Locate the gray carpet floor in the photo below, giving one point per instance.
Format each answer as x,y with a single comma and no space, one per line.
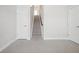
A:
38,45
42,46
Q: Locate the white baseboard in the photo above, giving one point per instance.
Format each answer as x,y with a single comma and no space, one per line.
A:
56,38
6,45
75,41
23,38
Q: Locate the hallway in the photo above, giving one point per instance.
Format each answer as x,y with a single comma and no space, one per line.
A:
36,34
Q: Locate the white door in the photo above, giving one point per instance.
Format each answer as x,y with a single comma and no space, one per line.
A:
74,23
23,22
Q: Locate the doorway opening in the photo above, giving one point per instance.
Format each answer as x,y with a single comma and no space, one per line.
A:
37,24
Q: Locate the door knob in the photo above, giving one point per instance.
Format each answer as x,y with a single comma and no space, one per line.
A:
25,25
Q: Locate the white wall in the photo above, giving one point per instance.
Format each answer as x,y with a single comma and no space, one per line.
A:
7,25
23,22
55,21
74,23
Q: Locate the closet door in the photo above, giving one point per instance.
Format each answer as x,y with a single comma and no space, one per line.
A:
23,22
74,23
